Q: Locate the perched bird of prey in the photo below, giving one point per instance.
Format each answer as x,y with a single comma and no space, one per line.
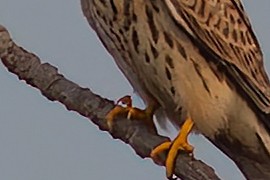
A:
197,61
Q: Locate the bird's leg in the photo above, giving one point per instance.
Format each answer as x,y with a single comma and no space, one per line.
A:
146,115
119,110
179,143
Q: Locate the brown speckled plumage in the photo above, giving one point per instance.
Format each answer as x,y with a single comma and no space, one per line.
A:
199,57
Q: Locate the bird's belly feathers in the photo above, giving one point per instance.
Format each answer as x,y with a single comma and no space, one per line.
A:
182,79
162,64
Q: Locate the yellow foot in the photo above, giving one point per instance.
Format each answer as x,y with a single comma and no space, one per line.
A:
180,143
131,113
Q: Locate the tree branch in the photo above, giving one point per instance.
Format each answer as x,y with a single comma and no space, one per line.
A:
56,87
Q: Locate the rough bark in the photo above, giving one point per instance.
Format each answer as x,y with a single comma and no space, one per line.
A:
56,87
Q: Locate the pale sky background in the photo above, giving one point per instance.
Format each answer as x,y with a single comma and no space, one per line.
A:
41,140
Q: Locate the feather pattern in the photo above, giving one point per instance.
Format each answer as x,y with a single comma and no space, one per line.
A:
223,29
